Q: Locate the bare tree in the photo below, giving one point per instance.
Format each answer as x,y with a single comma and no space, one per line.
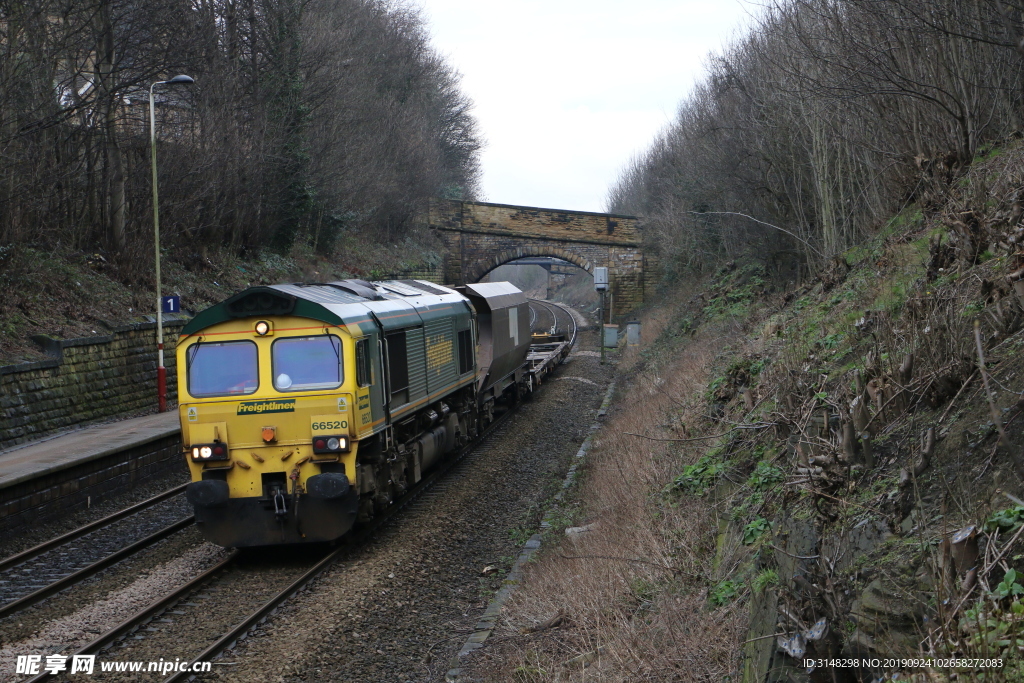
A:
827,117
308,117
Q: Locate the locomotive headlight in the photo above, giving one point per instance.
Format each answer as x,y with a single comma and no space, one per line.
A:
263,328
330,444
210,451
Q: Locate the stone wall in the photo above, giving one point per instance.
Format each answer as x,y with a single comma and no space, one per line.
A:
424,272
480,237
84,380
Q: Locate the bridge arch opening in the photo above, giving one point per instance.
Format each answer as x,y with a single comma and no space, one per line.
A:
482,270
549,277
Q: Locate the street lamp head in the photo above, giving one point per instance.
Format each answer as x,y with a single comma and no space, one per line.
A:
180,79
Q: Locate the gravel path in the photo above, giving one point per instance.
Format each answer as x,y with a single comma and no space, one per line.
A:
401,606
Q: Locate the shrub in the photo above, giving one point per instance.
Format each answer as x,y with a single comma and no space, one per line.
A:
700,476
724,592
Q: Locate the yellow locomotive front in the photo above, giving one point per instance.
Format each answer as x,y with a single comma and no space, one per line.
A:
268,406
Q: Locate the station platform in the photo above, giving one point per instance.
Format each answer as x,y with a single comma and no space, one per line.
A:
62,451
63,471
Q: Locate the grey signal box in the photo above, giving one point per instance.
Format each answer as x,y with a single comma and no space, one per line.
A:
600,279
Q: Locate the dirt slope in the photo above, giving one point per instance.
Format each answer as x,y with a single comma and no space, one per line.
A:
831,469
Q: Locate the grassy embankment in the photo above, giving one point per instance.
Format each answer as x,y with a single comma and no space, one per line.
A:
67,294
779,459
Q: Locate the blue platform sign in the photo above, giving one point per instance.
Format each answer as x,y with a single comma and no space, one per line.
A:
170,304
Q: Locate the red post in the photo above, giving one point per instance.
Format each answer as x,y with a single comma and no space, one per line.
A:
161,388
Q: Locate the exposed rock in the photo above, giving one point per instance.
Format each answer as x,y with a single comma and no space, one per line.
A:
886,616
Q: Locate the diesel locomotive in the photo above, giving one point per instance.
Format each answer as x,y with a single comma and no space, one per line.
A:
308,407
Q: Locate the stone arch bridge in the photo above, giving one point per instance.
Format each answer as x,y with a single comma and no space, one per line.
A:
478,237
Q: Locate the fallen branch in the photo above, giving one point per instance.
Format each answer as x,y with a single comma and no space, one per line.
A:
769,225
550,623
795,557
674,570
840,500
959,391
696,438
771,635
700,438
993,410
1006,549
918,466
903,390
1013,499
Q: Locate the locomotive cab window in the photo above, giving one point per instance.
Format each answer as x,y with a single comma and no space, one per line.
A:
363,372
307,363
222,368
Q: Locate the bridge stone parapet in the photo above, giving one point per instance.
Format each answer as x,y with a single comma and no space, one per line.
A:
479,237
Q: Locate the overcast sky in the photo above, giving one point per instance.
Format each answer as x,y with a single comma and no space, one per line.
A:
566,91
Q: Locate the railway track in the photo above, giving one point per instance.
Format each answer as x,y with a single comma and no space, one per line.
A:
245,591
542,318
60,563
402,606
550,346
552,318
219,607
571,324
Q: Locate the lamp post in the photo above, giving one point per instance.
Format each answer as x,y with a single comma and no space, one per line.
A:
161,371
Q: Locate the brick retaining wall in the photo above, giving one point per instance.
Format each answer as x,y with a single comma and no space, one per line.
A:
85,380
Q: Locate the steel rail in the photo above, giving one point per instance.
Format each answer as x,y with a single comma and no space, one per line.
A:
86,572
550,310
139,618
572,319
228,640
547,309
552,307
231,637
26,555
